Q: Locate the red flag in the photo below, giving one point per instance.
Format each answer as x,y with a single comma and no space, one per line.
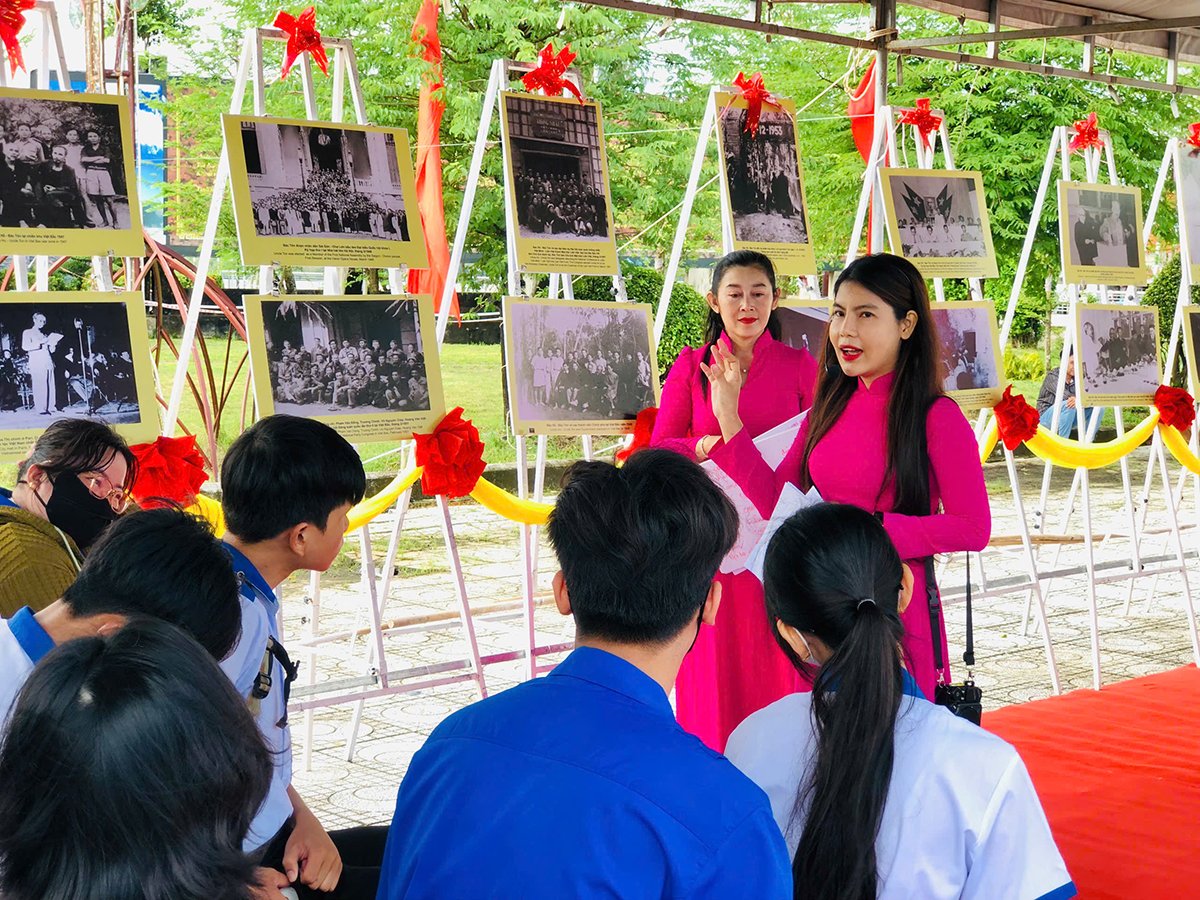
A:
429,164
861,109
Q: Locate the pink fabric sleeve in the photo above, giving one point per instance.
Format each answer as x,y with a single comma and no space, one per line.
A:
965,520
673,424
741,461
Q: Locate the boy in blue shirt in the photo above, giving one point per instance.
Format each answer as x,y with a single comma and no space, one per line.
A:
581,784
287,485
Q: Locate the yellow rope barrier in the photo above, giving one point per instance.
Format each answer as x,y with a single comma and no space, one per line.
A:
1174,441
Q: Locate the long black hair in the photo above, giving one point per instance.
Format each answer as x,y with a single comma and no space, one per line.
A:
714,326
897,282
831,571
131,771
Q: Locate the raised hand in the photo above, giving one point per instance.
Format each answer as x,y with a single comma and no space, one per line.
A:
725,379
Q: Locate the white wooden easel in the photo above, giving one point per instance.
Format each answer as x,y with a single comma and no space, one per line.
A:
1059,147
884,147
708,126
378,678
51,34
502,73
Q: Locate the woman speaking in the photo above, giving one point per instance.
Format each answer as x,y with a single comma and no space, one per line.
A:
880,435
713,693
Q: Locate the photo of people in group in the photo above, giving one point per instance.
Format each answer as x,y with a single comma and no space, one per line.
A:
1101,234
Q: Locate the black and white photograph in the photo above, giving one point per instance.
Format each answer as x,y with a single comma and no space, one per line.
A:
762,171
1101,234
804,325
1189,204
558,182
577,367
1119,352
970,363
65,164
83,357
937,219
319,190
1191,333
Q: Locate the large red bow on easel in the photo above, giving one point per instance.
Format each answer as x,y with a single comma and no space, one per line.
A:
1193,137
303,37
548,75
756,94
1087,134
12,20
923,118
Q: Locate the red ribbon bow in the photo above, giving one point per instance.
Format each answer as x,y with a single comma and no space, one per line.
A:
303,37
1175,407
756,94
1015,418
12,20
1087,134
923,118
1193,137
643,427
548,75
452,456
169,470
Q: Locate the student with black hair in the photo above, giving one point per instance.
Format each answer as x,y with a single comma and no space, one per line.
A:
287,485
581,784
880,434
880,794
159,563
73,484
130,771
712,694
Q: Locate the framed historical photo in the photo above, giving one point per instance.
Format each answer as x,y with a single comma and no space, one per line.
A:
804,324
366,365
68,186
578,367
1189,205
321,193
1118,352
73,355
557,183
1100,233
1191,334
970,362
937,219
764,183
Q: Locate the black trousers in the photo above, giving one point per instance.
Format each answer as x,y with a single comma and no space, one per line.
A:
361,850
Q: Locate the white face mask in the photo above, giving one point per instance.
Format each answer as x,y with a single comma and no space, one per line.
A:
809,657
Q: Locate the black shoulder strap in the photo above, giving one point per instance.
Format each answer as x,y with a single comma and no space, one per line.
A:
935,606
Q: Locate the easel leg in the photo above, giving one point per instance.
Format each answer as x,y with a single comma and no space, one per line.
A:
1093,613
1031,567
1180,555
460,584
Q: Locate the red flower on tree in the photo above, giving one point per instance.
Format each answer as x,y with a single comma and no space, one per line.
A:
924,120
643,427
548,75
1087,134
1175,407
169,470
1193,137
756,94
12,20
303,37
451,456
1016,419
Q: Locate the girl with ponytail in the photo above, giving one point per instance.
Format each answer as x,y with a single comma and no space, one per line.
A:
880,435
880,794
734,667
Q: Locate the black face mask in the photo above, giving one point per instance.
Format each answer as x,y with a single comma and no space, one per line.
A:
73,509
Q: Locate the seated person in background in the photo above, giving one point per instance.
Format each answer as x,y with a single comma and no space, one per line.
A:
287,486
131,769
74,484
1068,412
581,784
879,792
158,563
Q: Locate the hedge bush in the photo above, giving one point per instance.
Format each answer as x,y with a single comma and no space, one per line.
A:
1024,365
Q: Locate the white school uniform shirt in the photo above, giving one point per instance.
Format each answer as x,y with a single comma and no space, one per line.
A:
23,642
260,620
962,820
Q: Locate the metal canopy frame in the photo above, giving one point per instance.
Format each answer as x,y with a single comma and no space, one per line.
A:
1094,24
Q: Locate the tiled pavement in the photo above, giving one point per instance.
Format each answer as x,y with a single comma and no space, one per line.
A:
1010,667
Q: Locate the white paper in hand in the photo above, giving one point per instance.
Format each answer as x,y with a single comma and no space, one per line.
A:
773,445
791,500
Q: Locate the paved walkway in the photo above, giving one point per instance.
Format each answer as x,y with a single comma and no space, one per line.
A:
1010,666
